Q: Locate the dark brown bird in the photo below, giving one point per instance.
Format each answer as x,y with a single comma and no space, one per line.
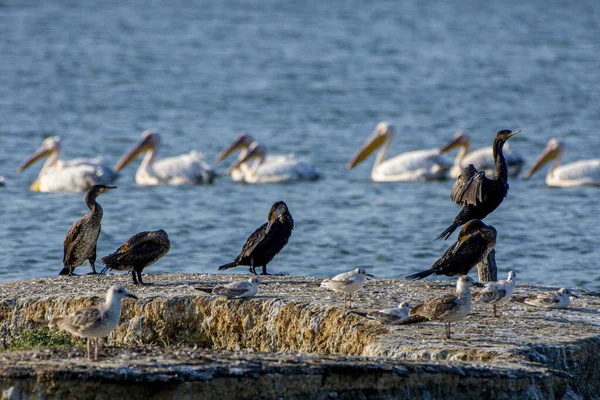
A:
266,241
478,194
140,251
80,242
475,241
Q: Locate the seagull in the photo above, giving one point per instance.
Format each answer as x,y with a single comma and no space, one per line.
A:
559,299
95,322
497,293
446,309
391,315
347,283
235,290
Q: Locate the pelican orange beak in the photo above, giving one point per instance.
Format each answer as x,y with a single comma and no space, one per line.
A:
459,139
147,143
254,151
549,154
43,151
373,143
241,142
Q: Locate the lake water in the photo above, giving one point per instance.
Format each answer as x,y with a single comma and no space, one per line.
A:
312,78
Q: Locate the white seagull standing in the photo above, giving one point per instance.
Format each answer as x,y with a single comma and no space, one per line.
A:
419,165
498,293
347,283
482,159
235,290
97,321
391,315
559,299
57,175
578,173
186,169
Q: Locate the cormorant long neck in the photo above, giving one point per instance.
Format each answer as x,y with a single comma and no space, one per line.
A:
287,219
501,168
90,200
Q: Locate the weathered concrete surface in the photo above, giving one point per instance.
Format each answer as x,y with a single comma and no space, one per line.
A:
173,373
292,314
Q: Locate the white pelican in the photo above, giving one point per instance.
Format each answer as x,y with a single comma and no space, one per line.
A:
279,170
57,175
186,169
482,159
242,142
419,165
578,173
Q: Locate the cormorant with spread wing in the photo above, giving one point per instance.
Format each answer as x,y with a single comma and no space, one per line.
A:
478,194
266,241
80,242
141,250
475,241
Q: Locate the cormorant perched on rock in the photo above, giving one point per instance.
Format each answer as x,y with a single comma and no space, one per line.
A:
478,194
141,250
266,241
80,242
474,243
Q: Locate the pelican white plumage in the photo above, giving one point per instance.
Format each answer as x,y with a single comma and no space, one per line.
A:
280,169
241,143
75,175
186,169
482,158
578,173
419,165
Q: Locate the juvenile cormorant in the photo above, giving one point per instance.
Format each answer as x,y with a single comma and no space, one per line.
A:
446,309
266,241
475,241
80,242
141,250
478,194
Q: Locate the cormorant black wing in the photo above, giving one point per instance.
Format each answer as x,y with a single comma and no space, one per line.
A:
468,254
71,239
143,253
468,188
258,237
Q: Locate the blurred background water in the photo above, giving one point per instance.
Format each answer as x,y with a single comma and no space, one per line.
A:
312,78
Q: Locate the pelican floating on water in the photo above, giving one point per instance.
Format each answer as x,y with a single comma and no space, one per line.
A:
75,175
279,169
419,165
186,169
482,159
242,142
578,173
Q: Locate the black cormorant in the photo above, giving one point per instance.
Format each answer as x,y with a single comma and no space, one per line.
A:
141,250
266,241
475,241
81,240
478,194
